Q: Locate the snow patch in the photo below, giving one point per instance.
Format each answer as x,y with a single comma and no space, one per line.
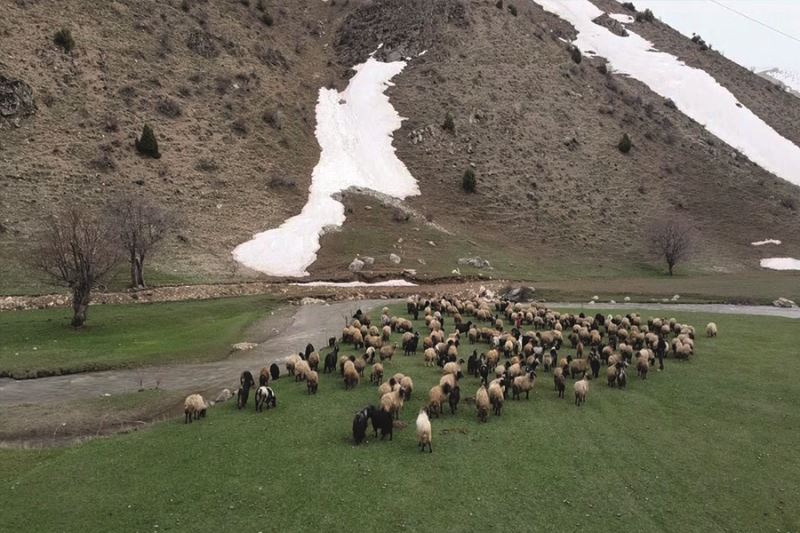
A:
785,77
619,17
390,283
354,131
694,91
781,263
766,241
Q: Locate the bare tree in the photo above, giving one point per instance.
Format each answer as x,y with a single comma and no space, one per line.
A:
140,225
672,241
78,251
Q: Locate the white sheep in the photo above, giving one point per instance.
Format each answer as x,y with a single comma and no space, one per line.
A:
424,432
194,406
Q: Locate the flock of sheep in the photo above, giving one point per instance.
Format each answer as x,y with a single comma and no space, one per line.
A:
518,339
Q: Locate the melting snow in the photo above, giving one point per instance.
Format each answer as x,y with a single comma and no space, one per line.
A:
788,78
694,91
781,263
354,131
390,283
619,17
766,241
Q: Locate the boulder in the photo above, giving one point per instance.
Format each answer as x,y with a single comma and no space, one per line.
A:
356,265
476,262
368,260
311,301
244,346
784,302
394,258
16,99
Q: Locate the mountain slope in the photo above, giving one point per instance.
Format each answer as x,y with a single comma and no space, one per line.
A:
539,130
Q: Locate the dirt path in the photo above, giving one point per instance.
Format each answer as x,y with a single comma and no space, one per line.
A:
725,309
295,327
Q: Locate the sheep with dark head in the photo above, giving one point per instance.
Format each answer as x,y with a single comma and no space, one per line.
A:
360,423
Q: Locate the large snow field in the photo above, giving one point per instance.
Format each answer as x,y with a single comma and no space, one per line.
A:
354,131
694,91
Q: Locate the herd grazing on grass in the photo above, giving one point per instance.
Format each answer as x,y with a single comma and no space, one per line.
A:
509,342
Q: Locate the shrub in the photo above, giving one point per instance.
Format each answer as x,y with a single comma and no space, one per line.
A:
575,54
789,203
629,6
63,38
468,180
260,5
512,9
449,124
147,143
267,19
625,144
499,4
185,5
645,16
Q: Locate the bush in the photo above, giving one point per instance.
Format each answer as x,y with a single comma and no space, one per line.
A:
575,54
625,144
185,5
63,38
260,5
468,181
273,118
449,124
499,4
147,143
267,19
512,9
645,16
629,6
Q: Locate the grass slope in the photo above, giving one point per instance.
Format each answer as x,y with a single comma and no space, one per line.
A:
704,446
40,342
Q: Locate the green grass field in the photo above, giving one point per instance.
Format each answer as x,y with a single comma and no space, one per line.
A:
41,341
708,445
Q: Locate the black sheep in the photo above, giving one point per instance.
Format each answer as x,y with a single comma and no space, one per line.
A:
360,423
484,372
246,381
383,421
410,347
594,362
453,399
309,349
274,371
330,362
464,328
331,342
472,364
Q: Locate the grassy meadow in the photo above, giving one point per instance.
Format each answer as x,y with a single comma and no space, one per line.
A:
40,342
706,445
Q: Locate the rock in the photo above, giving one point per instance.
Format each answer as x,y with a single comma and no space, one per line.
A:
519,294
455,272
595,298
311,301
432,243
16,99
394,258
612,301
244,346
627,298
223,395
613,25
421,261
676,297
356,265
410,272
476,262
784,302
368,260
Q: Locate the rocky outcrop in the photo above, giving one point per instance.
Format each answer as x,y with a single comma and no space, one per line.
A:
16,99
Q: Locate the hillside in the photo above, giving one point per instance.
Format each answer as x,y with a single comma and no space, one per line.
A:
232,103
